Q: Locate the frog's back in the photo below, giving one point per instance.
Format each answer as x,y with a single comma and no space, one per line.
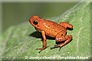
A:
52,29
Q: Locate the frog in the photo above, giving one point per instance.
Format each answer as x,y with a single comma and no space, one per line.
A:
53,30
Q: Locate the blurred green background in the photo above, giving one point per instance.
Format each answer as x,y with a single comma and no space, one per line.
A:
17,13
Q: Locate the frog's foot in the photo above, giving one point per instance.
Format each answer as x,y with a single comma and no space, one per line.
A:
41,49
55,46
60,48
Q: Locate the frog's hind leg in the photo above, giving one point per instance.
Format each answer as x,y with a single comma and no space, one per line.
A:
62,40
68,39
66,25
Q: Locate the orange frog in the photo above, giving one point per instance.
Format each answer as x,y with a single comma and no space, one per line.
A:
52,29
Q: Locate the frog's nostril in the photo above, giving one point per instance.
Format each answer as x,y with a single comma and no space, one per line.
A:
35,22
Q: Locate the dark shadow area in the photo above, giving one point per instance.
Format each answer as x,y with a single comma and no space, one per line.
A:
38,34
69,29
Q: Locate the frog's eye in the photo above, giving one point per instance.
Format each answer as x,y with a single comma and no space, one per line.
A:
35,22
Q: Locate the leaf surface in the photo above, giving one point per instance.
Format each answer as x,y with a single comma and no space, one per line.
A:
19,42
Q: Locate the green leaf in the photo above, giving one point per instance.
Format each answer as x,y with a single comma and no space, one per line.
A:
19,42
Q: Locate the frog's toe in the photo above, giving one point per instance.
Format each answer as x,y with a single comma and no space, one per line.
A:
55,46
41,48
52,48
37,49
60,48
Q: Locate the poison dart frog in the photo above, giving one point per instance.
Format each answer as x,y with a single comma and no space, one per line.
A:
51,29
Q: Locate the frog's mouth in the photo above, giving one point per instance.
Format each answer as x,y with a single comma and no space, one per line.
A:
30,21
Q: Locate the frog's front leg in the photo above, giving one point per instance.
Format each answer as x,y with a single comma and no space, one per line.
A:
62,40
43,42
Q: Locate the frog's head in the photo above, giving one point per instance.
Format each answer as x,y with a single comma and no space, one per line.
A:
34,20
